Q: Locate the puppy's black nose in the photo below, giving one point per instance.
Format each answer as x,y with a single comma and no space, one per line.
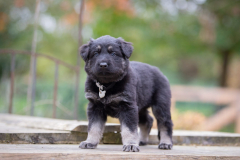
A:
103,65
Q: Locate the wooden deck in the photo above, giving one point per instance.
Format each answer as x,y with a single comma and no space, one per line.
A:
23,137
37,151
24,130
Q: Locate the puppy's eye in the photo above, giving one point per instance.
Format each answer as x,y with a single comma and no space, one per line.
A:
113,53
96,53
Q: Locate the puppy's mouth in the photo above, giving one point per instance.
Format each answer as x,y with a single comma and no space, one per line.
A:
105,74
108,76
108,73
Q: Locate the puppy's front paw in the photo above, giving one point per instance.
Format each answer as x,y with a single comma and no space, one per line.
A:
165,146
130,148
86,145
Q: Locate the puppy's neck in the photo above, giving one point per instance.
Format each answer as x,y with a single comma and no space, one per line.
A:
108,80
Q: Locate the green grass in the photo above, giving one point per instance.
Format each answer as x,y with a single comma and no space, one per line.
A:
43,99
228,128
204,108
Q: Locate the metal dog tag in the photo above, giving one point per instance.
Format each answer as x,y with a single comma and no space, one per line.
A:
102,93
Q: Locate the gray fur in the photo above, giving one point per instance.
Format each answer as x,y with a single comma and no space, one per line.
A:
137,86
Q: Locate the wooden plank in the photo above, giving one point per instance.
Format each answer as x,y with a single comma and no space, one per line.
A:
42,123
42,138
8,151
200,138
4,128
219,96
20,135
224,117
51,124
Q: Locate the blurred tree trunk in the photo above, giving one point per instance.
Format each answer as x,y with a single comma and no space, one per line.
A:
225,57
227,24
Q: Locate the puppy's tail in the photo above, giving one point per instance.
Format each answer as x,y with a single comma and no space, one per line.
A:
158,135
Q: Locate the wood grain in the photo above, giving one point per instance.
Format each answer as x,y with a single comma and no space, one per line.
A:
115,152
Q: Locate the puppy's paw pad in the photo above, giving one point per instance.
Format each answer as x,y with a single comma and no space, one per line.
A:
131,148
86,145
165,146
141,143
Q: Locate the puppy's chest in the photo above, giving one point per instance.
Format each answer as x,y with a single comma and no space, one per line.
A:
110,103
111,107
112,110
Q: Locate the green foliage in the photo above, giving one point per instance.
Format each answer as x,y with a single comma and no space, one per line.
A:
204,108
159,39
226,14
169,41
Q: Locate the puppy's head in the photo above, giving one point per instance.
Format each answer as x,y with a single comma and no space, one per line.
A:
106,58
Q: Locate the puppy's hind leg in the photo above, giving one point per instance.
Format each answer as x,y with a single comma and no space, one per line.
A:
165,135
145,125
161,111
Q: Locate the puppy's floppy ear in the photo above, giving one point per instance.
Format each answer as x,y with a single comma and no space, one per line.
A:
84,50
126,47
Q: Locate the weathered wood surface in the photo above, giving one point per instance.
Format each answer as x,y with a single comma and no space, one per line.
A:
51,124
200,138
23,151
22,135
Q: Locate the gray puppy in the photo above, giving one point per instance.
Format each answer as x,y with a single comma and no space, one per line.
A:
125,90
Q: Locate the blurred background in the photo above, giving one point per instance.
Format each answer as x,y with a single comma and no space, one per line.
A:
195,43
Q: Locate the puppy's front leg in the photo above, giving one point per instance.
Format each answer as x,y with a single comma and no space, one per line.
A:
129,132
97,119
